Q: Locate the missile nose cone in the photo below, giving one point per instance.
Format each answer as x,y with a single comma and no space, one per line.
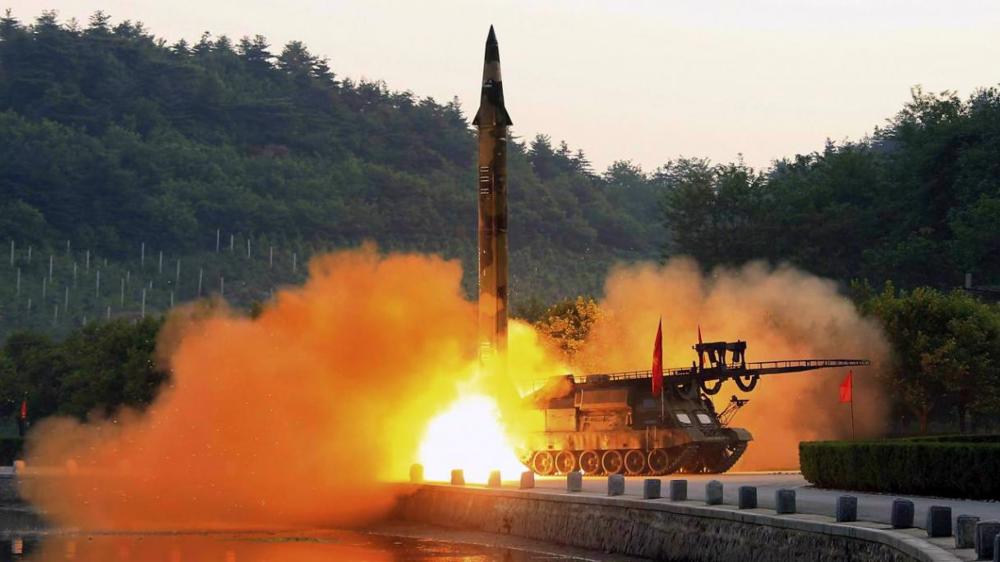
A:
491,107
492,48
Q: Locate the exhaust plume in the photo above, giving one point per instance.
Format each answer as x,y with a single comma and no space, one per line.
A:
292,418
286,420
782,313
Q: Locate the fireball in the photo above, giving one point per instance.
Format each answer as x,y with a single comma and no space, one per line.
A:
468,435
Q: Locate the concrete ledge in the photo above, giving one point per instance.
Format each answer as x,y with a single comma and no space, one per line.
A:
660,529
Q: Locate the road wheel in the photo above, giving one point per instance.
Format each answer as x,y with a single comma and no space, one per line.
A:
590,463
635,462
565,462
658,462
611,461
543,463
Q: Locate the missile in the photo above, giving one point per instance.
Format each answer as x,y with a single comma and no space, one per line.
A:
492,121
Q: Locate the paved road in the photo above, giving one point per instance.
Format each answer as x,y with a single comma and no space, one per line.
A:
871,507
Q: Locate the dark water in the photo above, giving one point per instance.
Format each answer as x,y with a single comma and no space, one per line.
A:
252,547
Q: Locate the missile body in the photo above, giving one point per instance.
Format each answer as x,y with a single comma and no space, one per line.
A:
492,121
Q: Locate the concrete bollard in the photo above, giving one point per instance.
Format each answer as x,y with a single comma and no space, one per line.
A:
938,521
901,516
784,501
616,485
416,473
678,490
527,480
986,534
713,492
748,497
457,477
494,480
847,509
965,531
651,489
574,481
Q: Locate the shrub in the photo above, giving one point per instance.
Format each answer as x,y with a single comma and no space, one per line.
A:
959,466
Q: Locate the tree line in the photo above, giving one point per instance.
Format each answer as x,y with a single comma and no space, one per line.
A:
917,203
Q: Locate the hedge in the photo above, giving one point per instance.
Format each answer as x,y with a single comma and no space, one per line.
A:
10,449
949,467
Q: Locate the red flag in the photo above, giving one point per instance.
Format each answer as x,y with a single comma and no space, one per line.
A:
847,388
24,409
658,360
701,357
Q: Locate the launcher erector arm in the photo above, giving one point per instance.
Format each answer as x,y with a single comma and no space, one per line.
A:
745,375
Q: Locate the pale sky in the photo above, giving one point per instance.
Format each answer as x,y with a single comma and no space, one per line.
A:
641,80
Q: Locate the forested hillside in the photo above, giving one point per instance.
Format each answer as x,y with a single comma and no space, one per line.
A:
176,170
111,138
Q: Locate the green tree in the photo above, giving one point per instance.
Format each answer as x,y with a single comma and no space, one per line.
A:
946,351
566,324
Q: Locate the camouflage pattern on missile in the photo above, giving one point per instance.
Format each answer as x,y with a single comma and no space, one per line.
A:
492,121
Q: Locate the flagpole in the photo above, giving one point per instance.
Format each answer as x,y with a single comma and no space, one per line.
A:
661,405
853,436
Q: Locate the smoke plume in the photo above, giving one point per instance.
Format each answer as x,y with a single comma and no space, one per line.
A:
782,313
292,418
285,420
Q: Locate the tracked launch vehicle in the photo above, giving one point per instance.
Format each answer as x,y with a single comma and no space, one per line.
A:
613,423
